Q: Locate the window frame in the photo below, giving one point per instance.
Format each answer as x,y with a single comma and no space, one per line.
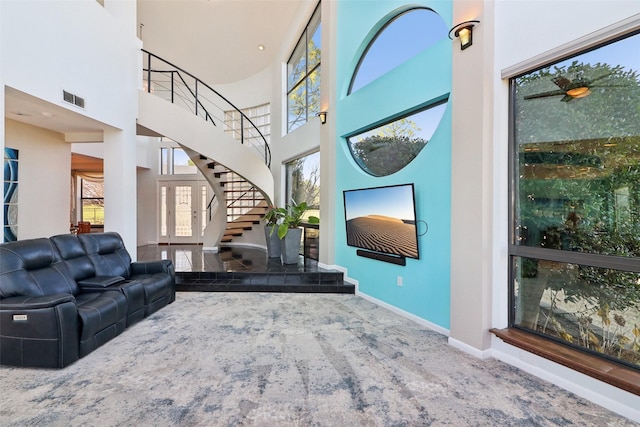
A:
516,251
289,185
83,198
303,43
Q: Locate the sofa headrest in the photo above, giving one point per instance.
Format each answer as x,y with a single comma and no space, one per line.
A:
101,243
33,268
29,254
68,246
107,253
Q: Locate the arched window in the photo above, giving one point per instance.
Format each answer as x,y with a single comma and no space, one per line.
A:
402,38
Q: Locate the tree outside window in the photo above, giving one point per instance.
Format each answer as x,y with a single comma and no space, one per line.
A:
576,212
303,75
303,182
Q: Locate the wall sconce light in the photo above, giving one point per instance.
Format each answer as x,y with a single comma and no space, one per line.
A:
323,117
464,31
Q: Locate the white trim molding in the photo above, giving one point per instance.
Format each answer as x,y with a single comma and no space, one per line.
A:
583,43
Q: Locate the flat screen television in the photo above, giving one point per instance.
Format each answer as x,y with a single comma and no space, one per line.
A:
382,220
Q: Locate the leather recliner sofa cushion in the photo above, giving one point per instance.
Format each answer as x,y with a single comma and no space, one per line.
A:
110,257
81,268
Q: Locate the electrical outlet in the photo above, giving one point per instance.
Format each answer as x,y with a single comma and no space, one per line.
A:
399,280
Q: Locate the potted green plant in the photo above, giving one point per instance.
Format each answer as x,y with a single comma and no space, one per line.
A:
290,233
272,219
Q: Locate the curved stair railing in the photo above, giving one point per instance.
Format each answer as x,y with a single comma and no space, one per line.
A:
172,83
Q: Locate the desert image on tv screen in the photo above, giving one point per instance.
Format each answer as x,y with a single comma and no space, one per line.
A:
382,220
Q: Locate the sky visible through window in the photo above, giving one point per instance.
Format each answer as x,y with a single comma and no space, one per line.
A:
403,38
426,122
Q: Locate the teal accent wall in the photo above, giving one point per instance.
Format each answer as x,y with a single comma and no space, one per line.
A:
424,79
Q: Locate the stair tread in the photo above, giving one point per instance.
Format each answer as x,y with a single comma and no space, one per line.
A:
236,224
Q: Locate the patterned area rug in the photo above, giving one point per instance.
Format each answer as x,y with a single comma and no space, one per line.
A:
236,359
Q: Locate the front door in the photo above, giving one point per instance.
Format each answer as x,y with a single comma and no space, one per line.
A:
183,211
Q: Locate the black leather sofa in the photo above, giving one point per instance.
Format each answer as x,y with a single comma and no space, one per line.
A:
63,297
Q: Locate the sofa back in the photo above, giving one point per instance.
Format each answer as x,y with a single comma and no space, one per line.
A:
72,252
33,268
107,253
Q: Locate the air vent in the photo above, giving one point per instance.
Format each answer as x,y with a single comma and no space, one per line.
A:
73,99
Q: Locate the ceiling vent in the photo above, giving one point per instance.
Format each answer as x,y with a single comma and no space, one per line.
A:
73,99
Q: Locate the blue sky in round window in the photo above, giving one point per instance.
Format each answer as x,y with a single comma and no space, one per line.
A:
401,39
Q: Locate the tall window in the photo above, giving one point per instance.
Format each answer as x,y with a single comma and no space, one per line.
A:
575,239
303,182
92,200
303,75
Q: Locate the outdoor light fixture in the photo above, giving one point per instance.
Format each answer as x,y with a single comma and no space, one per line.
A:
464,32
323,117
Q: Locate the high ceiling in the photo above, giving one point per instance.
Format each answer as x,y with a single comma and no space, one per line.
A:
217,40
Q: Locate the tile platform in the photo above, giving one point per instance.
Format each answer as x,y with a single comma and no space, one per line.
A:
243,269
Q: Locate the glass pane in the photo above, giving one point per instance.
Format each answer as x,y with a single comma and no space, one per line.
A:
303,182
597,309
314,35
163,211
93,211
388,148
92,189
164,161
182,164
297,107
577,132
403,38
203,202
297,65
183,211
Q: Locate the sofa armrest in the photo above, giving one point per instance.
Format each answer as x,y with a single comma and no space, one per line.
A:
152,267
32,303
41,332
99,282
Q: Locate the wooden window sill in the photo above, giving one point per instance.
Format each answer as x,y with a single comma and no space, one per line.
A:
612,373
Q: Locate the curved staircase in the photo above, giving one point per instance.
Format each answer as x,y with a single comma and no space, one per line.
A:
234,157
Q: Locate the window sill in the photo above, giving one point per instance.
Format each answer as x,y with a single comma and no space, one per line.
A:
604,370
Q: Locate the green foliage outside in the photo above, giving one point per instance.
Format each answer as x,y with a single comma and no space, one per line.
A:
390,149
579,190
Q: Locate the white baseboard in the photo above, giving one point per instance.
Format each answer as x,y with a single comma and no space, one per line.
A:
480,354
603,394
214,249
406,314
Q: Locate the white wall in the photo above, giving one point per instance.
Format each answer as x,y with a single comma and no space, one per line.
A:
44,180
91,51
94,57
252,91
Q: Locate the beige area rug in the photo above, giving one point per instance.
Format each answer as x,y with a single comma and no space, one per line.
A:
247,359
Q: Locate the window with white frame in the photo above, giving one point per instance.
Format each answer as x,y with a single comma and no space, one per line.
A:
303,182
175,161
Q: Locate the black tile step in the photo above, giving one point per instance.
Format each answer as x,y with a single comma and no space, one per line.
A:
236,281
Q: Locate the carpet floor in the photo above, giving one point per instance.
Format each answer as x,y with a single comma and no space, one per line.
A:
251,359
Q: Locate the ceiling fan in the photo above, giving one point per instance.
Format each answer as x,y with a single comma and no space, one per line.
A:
577,88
